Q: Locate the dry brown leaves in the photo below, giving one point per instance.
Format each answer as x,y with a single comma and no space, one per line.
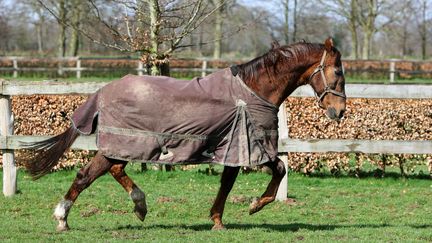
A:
47,115
375,119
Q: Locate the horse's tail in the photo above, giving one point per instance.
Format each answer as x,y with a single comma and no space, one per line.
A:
48,152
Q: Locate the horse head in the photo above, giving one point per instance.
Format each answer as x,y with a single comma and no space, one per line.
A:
328,82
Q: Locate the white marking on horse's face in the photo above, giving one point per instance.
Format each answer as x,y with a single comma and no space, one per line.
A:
62,209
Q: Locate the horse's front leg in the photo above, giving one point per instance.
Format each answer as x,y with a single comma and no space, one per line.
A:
278,169
228,178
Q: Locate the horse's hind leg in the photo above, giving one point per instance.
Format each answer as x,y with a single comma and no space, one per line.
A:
278,169
137,196
98,166
228,178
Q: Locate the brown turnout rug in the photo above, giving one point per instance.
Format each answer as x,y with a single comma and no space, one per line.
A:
215,119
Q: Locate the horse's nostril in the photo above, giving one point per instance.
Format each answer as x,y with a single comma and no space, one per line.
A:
341,114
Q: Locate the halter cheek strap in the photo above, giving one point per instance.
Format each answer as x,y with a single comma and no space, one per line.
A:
327,89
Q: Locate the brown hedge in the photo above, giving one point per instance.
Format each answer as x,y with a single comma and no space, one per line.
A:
375,119
365,119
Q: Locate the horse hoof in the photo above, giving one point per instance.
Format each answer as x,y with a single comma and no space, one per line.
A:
140,213
62,227
254,206
218,227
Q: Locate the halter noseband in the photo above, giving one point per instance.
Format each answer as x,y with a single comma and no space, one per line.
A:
327,89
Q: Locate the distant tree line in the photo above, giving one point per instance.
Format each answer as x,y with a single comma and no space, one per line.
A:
157,29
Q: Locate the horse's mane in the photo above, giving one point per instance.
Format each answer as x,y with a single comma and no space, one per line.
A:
288,53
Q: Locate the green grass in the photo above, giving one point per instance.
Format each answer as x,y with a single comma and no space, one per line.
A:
328,209
359,80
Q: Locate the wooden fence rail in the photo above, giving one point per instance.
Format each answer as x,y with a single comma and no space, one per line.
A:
10,142
286,145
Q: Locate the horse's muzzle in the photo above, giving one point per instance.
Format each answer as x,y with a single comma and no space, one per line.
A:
334,114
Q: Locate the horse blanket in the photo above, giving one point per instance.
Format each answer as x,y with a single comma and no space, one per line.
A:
215,119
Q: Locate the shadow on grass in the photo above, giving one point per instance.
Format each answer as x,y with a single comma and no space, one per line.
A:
371,174
271,227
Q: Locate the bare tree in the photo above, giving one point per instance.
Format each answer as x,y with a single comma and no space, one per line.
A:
294,35
62,12
78,10
152,28
401,28
218,29
367,17
286,9
422,28
348,10
4,28
37,19
368,12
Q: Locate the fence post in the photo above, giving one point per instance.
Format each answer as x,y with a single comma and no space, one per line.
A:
15,67
60,67
283,134
78,68
6,129
140,68
204,68
392,70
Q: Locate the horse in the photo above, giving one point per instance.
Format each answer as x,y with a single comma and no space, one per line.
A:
259,87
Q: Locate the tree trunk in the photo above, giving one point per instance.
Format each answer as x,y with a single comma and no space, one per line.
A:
154,33
39,38
76,22
366,45
404,41
286,18
354,44
353,18
62,34
294,35
218,30
369,28
423,32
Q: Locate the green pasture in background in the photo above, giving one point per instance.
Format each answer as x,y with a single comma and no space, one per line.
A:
327,209
112,75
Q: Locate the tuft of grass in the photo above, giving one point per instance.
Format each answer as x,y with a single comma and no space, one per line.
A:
326,209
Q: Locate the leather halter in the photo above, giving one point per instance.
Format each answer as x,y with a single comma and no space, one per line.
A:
327,89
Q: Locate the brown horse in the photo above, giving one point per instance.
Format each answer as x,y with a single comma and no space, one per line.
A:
266,81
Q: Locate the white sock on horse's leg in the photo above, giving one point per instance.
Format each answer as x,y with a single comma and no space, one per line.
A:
61,212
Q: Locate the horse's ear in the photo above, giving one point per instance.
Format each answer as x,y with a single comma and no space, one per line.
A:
328,44
275,44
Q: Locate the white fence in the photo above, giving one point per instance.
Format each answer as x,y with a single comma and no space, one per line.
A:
79,68
10,142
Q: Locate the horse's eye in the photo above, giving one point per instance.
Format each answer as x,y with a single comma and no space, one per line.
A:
338,72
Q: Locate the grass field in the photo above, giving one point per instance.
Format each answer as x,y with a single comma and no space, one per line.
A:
328,209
